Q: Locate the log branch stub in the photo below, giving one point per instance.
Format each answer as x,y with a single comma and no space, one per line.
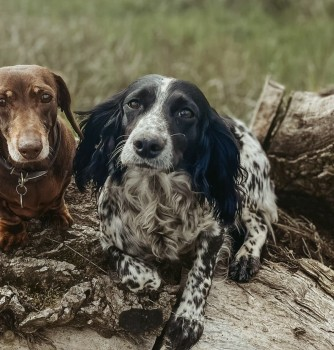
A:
267,109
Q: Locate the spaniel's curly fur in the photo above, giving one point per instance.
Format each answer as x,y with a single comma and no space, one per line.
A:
175,179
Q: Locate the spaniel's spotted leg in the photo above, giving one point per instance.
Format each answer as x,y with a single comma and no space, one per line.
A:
132,272
246,262
187,323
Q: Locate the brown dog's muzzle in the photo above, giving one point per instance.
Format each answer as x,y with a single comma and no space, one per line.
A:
30,145
27,138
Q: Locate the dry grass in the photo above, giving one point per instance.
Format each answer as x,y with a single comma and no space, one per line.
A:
226,47
298,237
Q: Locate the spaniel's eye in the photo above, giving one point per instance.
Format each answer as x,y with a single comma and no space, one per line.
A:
3,102
134,104
46,98
185,113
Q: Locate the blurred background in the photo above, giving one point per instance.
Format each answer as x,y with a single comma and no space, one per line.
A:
227,47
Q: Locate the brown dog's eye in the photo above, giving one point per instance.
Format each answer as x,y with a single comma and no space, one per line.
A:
134,104
3,102
45,98
185,113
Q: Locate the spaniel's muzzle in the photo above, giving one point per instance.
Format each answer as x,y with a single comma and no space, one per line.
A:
175,179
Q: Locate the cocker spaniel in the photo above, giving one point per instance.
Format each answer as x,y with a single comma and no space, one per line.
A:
174,180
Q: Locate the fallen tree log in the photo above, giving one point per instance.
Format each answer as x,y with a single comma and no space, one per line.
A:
281,308
297,133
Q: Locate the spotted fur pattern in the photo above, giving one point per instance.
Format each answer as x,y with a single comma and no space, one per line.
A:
258,205
171,178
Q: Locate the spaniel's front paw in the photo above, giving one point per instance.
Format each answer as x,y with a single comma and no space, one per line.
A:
244,267
183,333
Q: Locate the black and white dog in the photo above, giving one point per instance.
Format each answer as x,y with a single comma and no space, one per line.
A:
174,178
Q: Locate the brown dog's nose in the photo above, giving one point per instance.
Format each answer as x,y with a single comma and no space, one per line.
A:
30,148
148,148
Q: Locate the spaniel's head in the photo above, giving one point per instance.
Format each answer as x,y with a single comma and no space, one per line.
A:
163,124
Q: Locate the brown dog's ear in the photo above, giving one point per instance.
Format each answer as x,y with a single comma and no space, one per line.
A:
64,102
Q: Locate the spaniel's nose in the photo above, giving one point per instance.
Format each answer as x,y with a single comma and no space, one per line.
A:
148,148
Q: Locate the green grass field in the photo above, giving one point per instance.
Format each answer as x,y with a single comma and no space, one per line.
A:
227,47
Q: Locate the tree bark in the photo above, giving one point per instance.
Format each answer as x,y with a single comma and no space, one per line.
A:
281,308
284,307
298,136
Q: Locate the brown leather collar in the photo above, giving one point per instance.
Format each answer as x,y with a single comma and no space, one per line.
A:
34,175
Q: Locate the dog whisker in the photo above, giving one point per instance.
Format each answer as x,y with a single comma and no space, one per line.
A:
117,151
178,134
121,136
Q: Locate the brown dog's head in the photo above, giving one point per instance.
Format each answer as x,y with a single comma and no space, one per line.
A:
29,98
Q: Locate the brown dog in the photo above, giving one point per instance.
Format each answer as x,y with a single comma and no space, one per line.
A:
36,150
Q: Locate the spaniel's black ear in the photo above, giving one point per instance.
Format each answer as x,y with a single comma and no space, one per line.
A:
101,133
217,170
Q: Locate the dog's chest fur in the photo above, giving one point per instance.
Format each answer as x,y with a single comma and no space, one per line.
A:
153,214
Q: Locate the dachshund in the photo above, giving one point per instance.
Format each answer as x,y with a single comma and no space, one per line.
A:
174,181
36,150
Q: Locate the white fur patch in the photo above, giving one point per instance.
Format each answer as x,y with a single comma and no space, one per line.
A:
152,124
